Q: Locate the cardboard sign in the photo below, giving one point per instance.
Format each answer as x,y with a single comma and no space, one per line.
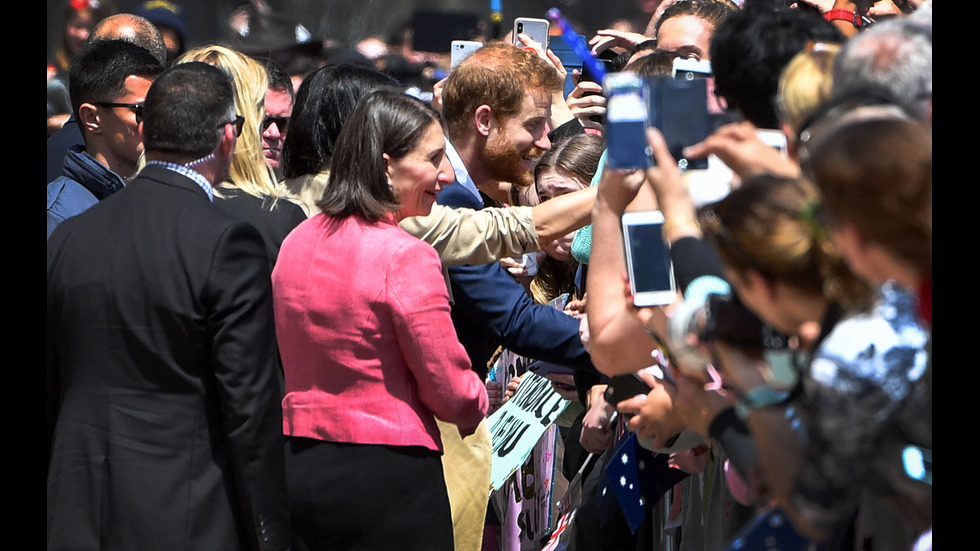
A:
517,426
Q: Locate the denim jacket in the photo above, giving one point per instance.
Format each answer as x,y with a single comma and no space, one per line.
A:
85,182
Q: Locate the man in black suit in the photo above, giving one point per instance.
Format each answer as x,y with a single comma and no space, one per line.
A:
164,387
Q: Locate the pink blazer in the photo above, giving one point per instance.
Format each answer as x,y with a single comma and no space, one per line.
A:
368,347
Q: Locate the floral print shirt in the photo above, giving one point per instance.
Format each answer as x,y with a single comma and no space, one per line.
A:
866,396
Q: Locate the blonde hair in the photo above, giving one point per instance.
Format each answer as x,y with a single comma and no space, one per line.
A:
805,84
249,171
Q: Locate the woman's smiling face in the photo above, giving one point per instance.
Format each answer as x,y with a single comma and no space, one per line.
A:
418,177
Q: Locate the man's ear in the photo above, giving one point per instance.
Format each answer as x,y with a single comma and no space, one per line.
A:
484,119
88,118
228,140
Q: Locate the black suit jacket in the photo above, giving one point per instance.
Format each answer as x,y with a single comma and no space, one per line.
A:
165,424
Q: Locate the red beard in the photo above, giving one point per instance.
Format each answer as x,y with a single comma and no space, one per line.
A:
503,161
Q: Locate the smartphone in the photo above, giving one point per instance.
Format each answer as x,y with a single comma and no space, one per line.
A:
623,387
689,68
544,368
648,263
627,120
460,50
679,109
773,138
917,462
537,30
589,75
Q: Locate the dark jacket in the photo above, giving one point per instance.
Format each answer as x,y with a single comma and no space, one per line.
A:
491,309
85,182
274,221
164,386
58,145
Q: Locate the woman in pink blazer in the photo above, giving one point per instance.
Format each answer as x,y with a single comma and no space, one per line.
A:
369,352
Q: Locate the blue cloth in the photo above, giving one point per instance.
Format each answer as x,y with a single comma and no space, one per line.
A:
58,145
492,309
582,242
85,182
66,198
638,478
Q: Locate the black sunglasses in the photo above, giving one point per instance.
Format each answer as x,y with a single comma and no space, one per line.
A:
281,123
239,122
136,107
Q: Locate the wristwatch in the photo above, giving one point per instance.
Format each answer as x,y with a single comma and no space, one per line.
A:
759,397
844,15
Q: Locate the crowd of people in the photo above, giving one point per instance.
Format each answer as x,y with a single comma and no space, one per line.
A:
277,286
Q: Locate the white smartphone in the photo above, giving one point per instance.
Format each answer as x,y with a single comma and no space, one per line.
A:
535,29
689,68
773,138
651,273
460,50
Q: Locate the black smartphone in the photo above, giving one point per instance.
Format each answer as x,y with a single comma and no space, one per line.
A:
622,387
678,107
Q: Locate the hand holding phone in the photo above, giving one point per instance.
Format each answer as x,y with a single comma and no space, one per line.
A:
536,29
623,387
627,120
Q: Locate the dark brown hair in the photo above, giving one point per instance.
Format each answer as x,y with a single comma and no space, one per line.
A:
877,174
384,121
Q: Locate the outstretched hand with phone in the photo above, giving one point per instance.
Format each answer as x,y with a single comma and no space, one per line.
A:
652,414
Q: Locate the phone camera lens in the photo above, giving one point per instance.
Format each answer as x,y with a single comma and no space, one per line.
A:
520,27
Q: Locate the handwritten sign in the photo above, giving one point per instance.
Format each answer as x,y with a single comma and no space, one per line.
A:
525,505
516,427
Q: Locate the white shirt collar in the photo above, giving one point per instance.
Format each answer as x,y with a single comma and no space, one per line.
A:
462,175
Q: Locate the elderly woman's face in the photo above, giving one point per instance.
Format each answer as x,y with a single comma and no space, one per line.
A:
420,175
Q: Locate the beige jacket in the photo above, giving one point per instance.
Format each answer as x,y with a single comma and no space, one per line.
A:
460,236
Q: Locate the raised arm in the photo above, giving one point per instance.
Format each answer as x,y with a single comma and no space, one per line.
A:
467,236
618,342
